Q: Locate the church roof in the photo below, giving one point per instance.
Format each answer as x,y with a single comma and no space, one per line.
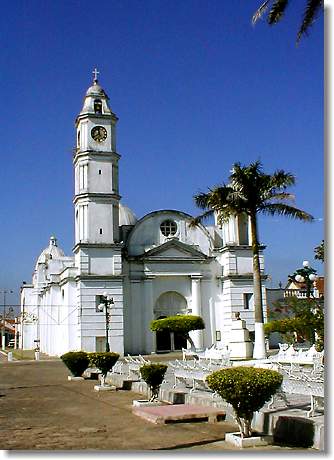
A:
50,252
126,216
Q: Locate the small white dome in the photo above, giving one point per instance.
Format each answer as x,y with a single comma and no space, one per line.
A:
126,216
95,90
51,252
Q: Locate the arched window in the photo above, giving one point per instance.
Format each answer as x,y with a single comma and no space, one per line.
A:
78,139
170,303
98,106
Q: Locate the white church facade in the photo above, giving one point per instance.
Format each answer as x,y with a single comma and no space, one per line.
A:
152,267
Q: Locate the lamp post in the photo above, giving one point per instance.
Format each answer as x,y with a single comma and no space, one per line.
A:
306,275
4,291
106,304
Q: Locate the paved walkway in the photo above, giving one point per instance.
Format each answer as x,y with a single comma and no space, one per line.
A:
41,409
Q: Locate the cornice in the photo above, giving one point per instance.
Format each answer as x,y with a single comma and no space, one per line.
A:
234,247
247,276
94,116
97,245
93,153
107,197
98,277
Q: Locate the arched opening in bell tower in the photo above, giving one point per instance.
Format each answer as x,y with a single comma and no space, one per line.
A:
98,106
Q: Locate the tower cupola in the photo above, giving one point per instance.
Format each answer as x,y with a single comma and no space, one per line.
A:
96,101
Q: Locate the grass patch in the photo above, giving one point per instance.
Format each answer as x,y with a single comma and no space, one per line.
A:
23,354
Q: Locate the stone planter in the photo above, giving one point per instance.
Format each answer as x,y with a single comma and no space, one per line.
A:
71,378
104,388
253,441
145,403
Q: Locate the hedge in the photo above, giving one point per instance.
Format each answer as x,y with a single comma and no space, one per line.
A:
246,389
153,374
179,323
103,361
76,361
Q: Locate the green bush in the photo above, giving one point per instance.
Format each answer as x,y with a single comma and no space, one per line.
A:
246,389
76,361
307,321
103,361
181,324
153,374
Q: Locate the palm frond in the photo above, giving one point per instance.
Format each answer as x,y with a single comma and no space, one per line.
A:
199,219
281,209
260,11
280,196
201,200
277,11
311,11
281,179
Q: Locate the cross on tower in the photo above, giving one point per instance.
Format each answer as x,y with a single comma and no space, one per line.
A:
95,73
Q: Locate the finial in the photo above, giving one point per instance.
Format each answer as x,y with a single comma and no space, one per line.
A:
95,73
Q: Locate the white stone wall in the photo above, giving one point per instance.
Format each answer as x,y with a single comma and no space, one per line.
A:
92,322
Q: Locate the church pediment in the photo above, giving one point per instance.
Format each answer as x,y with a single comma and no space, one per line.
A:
174,249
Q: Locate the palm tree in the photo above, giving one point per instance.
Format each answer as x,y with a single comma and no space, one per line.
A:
250,191
278,8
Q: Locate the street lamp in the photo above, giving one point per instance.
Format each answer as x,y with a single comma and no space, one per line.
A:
106,304
306,275
4,291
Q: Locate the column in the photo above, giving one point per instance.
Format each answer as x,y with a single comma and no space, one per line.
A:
196,304
148,335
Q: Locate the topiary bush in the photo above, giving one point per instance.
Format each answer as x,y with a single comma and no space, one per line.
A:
181,324
246,389
103,361
76,361
153,374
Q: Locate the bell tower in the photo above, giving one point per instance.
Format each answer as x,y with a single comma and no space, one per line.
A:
97,246
97,197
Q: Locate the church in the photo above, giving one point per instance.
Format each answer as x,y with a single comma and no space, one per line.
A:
152,267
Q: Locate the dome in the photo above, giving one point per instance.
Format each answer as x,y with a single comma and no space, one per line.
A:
95,90
126,216
51,252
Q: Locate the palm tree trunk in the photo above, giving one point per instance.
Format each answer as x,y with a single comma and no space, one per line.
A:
259,345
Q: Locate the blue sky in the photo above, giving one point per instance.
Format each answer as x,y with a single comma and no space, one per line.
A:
196,88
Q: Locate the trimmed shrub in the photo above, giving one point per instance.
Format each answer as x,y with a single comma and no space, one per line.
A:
181,324
246,389
153,374
76,361
103,361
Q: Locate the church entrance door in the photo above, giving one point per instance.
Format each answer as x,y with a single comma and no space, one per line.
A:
163,340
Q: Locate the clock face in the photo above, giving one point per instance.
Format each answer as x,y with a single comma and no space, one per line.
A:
99,133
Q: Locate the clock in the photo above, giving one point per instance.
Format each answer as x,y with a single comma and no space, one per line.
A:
99,133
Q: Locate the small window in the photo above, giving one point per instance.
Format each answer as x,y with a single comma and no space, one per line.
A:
218,336
98,106
168,228
79,139
100,171
100,231
248,297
